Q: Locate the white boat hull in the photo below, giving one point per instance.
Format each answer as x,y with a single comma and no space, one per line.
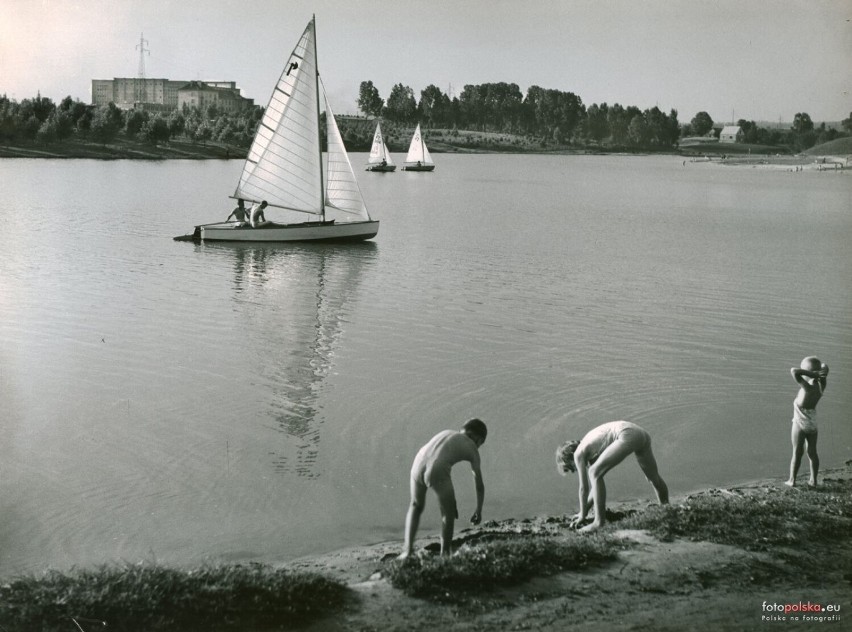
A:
272,232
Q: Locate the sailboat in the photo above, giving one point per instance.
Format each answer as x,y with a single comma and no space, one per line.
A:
418,158
380,158
284,167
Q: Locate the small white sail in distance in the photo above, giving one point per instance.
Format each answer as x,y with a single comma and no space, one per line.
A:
379,150
417,150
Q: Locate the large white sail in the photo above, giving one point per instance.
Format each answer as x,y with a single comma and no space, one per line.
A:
342,188
379,151
284,163
417,150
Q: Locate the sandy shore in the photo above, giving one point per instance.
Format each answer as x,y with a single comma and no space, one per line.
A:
778,163
653,585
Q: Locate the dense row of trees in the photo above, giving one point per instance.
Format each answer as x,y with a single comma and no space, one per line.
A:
551,115
43,121
562,117
546,113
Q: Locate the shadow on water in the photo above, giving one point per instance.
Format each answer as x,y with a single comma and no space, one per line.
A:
292,301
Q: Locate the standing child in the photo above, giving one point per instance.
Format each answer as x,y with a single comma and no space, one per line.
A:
432,467
812,377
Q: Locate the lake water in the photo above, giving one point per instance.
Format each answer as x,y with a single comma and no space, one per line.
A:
176,402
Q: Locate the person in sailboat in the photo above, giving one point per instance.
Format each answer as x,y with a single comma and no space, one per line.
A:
432,467
239,213
600,450
256,215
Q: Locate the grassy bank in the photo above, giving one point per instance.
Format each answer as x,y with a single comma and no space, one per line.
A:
148,597
706,561
122,149
358,134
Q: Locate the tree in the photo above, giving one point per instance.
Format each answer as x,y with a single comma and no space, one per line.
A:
433,105
847,123
802,123
597,125
177,123
155,130
401,106
369,101
701,123
104,126
637,131
134,121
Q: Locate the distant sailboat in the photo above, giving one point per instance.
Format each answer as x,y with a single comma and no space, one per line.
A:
418,158
284,167
380,158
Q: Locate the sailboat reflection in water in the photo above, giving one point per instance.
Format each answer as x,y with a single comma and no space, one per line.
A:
292,303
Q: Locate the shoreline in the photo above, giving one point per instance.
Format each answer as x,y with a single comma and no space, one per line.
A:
685,583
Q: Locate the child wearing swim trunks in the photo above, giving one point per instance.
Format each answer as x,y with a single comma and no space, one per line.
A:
432,467
812,377
599,451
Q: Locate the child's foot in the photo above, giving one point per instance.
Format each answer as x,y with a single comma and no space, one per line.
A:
812,483
790,483
404,555
589,528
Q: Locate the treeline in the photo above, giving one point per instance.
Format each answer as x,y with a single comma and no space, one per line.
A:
40,120
549,116
561,117
552,115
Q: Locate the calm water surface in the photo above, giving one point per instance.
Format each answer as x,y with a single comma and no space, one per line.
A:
177,402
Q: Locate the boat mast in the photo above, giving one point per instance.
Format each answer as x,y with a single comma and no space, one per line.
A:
319,134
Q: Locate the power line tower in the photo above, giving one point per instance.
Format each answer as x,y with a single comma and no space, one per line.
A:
140,79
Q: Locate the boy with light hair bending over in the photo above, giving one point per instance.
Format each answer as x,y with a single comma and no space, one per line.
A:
599,451
432,467
812,377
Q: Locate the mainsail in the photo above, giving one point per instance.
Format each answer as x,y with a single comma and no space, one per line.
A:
379,151
283,165
417,150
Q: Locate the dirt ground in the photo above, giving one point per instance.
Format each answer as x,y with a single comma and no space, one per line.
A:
652,585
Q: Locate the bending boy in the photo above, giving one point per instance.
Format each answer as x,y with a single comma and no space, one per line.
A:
601,450
432,467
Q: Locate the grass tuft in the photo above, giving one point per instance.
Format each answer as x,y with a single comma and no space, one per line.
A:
759,521
485,567
149,597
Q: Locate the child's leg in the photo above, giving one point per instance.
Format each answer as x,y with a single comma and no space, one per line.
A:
614,454
798,439
813,457
649,468
412,518
449,512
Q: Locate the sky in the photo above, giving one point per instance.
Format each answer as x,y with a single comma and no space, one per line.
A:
762,60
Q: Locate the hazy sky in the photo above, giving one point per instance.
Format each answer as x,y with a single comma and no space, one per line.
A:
757,59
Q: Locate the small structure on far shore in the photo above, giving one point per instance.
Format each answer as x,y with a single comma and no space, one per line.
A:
731,134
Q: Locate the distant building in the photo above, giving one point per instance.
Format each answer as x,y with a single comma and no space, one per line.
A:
731,134
223,94
165,95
